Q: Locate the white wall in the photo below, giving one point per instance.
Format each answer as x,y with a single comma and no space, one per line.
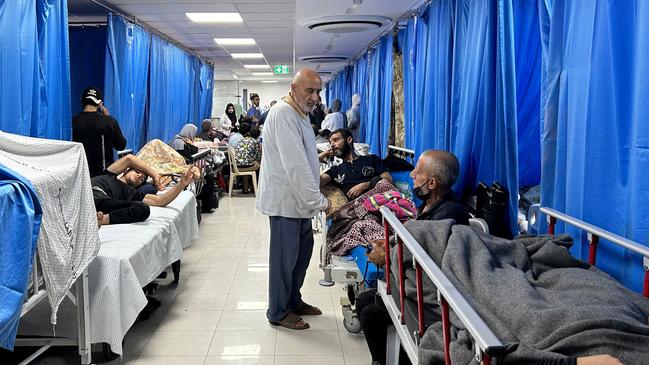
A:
224,92
267,92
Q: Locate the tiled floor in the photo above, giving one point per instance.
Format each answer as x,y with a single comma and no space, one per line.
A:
217,314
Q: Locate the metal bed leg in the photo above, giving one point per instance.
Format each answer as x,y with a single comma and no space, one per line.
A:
593,240
393,346
83,319
645,264
175,268
446,330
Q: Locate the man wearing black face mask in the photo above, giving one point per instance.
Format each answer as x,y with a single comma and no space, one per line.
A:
433,177
356,174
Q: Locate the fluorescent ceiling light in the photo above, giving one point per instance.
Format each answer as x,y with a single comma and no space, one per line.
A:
269,81
256,66
263,73
247,55
235,41
215,17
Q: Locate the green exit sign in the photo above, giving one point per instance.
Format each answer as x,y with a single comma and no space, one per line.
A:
280,69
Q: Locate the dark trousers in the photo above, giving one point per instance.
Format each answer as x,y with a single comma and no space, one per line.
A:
375,319
291,246
123,211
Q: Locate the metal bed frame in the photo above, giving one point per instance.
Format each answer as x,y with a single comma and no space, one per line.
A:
487,344
36,294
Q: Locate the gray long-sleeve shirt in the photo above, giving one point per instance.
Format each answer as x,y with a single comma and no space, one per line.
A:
290,170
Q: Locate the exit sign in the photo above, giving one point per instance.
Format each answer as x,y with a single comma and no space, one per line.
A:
280,69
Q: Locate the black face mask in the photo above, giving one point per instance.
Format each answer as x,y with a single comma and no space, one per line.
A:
419,194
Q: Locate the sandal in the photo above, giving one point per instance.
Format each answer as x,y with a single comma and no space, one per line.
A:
307,310
291,321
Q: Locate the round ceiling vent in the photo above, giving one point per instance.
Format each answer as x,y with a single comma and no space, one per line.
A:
324,58
346,23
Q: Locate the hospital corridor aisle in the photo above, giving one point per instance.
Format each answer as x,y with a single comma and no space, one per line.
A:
217,314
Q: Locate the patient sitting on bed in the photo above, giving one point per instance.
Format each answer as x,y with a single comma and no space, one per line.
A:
116,198
356,174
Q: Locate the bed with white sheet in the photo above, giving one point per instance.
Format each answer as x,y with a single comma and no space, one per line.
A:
131,256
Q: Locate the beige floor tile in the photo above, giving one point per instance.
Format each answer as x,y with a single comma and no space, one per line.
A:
251,273
322,301
243,343
353,344
244,320
358,360
170,360
246,301
249,286
190,320
198,302
206,287
253,262
178,343
307,343
240,360
311,360
206,272
219,261
324,322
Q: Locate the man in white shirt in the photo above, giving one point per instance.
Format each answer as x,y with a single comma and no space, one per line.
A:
289,194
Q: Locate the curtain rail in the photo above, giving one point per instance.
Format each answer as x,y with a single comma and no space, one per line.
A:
152,30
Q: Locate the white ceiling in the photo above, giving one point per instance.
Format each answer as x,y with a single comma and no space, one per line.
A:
274,24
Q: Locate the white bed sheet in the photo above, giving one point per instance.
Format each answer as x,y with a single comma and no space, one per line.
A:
136,254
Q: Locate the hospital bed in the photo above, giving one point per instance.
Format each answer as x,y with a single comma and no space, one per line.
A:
354,271
410,319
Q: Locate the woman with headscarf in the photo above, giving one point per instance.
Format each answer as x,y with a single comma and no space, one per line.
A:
183,142
335,119
228,120
354,117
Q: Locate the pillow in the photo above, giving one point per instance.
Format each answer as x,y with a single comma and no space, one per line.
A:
335,196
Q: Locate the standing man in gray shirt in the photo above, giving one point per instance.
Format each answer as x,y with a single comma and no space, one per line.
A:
289,194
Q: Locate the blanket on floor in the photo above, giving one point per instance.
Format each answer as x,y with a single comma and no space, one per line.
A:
539,300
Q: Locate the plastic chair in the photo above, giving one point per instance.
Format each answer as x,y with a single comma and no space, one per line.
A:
234,171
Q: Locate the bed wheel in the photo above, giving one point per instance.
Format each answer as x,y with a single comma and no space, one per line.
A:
353,325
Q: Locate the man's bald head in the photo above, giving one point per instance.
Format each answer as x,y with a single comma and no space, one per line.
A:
443,166
305,89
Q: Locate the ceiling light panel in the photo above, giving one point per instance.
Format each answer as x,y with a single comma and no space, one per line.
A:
247,55
263,73
269,81
215,17
256,66
235,41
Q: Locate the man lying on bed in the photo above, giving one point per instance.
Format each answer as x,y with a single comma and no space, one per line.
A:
116,197
433,177
356,174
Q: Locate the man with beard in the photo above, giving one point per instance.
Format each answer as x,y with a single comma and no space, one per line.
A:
356,174
289,195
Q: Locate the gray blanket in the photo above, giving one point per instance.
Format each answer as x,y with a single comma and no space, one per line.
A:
538,300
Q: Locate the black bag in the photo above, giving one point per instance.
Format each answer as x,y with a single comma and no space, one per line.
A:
491,205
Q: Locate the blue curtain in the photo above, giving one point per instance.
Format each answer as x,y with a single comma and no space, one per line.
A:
595,137
527,47
359,86
127,67
206,89
34,69
54,71
87,59
372,133
19,62
171,86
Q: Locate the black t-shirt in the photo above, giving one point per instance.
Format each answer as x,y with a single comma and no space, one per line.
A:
114,188
447,208
362,169
94,130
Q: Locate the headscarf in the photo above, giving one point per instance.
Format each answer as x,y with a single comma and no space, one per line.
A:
356,100
188,131
232,116
335,106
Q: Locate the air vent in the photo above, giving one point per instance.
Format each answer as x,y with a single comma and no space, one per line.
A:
324,73
346,23
324,58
